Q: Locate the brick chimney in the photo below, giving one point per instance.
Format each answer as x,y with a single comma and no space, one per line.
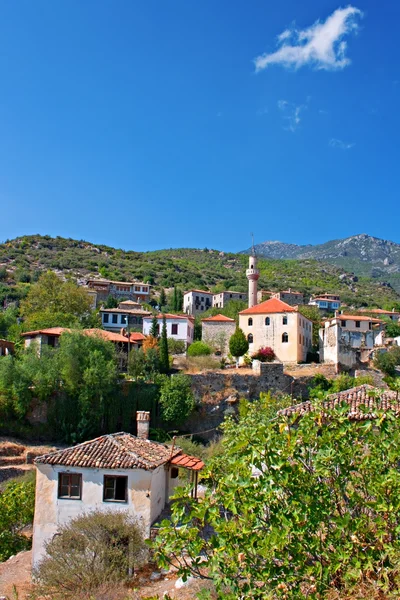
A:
143,424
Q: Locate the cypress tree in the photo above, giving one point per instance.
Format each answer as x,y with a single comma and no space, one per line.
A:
163,299
154,327
164,358
238,344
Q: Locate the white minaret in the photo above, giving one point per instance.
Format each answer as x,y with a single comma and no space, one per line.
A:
252,274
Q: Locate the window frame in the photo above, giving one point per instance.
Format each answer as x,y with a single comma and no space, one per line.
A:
106,317
250,338
114,319
285,337
125,477
267,321
284,320
250,322
62,474
174,328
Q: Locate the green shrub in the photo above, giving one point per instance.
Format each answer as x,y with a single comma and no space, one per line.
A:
91,551
198,349
176,346
176,398
17,504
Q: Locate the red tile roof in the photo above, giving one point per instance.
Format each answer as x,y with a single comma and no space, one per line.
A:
273,305
200,292
366,396
171,316
187,462
57,331
380,311
113,451
219,318
355,318
120,451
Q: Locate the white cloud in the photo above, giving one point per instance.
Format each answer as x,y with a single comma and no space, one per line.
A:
292,113
335,143
320,46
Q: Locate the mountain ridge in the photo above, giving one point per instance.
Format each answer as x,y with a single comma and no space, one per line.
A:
362,254
24,258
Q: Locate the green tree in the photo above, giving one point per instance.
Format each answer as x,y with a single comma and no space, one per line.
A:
136,363
154,327
176,399
295,511
238,344
162,299
392,329
52,302
17,505
164,357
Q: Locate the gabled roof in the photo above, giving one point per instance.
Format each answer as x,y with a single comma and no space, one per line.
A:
199,292
219,319
57,331
343,317
112,451
120,451
365,395
380,311
126,311
273,305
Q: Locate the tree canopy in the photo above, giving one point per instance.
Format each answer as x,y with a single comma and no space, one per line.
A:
293,511
51,302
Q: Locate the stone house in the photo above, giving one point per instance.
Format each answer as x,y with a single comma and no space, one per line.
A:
129,290
275,324
346,340
289,296
217,331
223,298
197,301
115,472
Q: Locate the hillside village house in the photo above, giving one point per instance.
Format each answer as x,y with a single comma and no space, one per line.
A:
6,348
197,301
326,302
223,298
51,336
275,324
179,327
116,472
346,340
380,313
129,314
290,297
128,290
217,331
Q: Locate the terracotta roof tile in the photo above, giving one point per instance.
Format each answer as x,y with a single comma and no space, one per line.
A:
273,305
219,318
365,396
187,462
113,451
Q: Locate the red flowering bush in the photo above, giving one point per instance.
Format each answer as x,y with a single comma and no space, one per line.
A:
264,355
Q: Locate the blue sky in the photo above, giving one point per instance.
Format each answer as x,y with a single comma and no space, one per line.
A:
151,124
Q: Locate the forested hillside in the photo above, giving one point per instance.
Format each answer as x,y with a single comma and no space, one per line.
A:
23,259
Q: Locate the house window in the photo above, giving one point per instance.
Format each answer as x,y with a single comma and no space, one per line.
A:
123,320
250,338
137,288
115,489
284,320
144,289
370,325
174,329
115,318
174,472
105,318
267,321
70,486
250,322
343,323
358,323
285,338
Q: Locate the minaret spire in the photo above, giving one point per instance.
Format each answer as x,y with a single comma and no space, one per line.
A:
252,274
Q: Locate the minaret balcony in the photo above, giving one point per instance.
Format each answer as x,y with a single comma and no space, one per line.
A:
252,274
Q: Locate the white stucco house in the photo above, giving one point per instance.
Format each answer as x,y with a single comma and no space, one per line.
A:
179,327
115,472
